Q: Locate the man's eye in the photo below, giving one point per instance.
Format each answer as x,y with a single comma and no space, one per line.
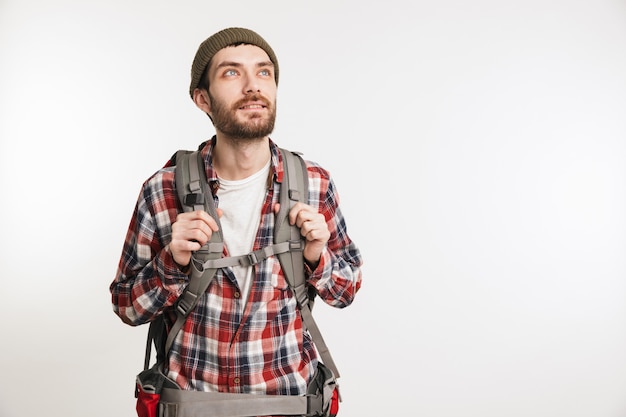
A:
265,72
230,72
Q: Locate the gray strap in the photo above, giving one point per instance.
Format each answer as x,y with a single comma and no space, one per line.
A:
192,167
184,403
295,179
318,339
254,257
194,194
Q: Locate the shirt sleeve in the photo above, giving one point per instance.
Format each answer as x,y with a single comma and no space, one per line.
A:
148,280
337,277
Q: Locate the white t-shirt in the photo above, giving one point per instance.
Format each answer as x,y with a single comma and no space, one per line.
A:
241,203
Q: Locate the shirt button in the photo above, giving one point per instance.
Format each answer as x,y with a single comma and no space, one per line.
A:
236,380
237,294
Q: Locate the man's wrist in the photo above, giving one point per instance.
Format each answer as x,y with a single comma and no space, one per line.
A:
311,265
183,268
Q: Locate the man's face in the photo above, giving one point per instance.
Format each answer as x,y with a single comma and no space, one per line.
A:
242,92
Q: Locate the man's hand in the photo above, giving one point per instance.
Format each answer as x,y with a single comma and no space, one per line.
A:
190,232
313,227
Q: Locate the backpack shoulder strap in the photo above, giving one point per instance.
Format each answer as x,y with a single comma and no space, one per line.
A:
194,194
294,189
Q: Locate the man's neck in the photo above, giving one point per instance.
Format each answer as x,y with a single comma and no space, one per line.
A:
236,159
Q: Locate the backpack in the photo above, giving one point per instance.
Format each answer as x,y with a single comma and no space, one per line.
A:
157,395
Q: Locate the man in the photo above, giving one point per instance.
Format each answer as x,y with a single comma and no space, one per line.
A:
246,334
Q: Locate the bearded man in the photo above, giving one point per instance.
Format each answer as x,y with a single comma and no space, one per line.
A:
245,335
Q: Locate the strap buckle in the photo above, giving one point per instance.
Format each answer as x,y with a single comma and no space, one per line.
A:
296,245
248,259
194,199
185,302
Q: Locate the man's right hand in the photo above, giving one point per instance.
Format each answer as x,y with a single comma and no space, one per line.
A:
190,232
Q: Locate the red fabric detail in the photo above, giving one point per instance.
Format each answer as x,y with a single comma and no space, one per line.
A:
147,404
333,409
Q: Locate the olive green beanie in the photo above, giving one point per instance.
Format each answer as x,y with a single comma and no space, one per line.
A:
220,40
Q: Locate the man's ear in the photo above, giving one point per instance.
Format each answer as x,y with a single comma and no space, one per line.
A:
201,98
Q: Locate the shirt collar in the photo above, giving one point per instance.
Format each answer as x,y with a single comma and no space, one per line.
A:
276,167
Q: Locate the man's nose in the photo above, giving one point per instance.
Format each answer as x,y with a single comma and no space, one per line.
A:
251,84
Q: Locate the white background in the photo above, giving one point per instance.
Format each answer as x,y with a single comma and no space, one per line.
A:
480,153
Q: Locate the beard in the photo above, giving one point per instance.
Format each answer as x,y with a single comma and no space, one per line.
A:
254,127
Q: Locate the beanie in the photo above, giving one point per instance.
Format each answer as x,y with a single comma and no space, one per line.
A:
220,40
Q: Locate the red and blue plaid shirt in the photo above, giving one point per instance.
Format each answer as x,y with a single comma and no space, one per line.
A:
225,345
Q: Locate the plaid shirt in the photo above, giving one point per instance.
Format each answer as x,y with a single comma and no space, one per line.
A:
225,345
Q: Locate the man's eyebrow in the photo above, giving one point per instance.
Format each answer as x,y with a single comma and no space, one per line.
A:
228,64
238,64
265,64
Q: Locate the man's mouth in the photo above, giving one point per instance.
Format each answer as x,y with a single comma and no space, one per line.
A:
252,106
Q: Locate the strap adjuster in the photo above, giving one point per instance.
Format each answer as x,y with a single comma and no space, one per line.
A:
184,302
296,245
294,195
194,199
248,259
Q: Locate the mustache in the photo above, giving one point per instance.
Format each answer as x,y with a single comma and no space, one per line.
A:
253,97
